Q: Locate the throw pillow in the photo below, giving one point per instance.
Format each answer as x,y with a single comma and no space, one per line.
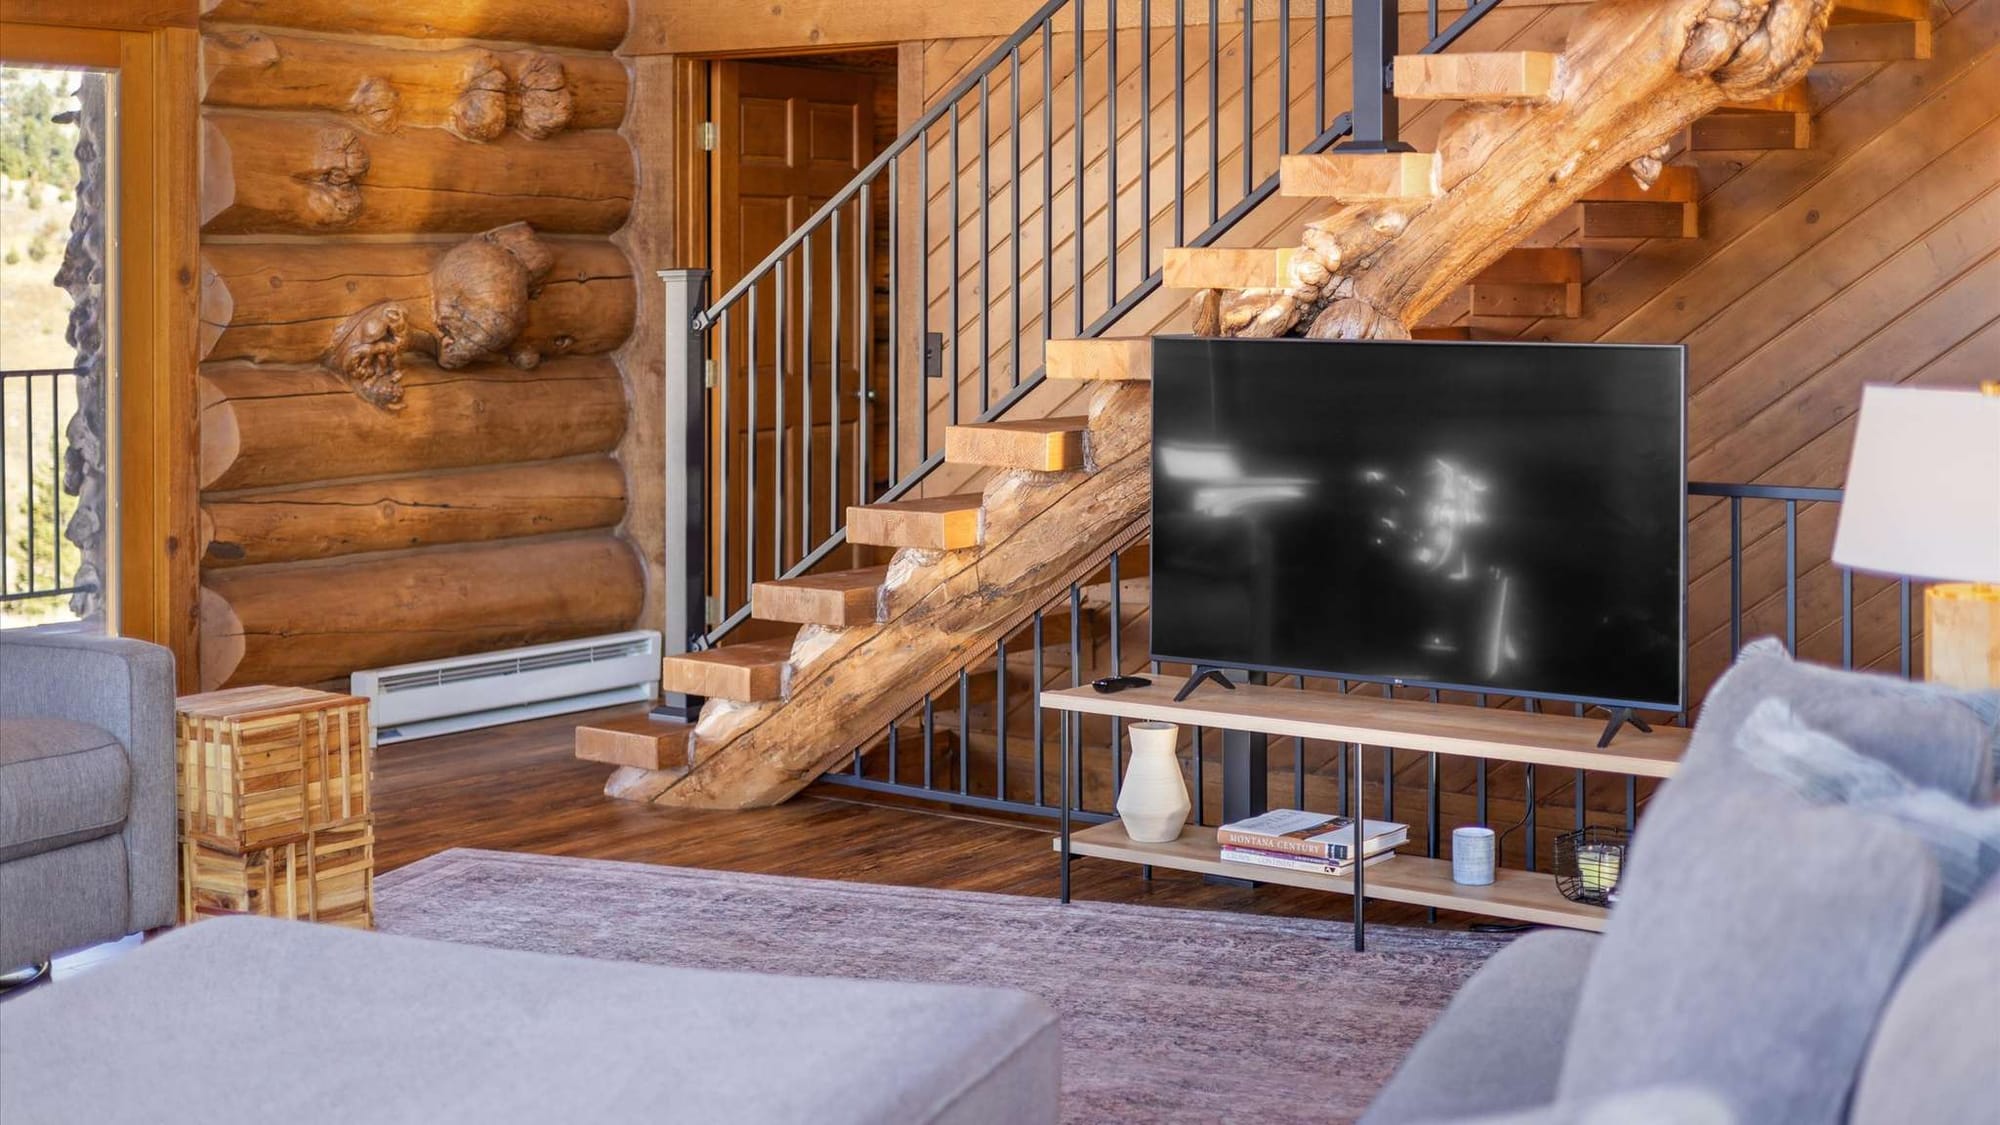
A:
1963,839
1937,737
1755,943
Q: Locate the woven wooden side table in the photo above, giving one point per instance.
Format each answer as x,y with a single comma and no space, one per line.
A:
274,805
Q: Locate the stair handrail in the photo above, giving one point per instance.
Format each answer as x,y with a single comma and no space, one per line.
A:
705,318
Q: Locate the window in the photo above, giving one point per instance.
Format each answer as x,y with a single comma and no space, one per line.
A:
56,343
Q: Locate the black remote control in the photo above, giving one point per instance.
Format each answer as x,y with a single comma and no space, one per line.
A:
1109,684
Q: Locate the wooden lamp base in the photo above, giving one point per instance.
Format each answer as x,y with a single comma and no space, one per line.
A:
1962,635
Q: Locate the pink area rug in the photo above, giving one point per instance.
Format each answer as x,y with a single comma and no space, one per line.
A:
1168,1015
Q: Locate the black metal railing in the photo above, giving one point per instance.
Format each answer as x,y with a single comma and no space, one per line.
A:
838,360
979,740
40,569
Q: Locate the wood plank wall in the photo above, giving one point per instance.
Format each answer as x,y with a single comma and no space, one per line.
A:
480,511
1870,256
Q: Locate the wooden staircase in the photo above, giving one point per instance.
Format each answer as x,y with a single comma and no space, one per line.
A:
1065,492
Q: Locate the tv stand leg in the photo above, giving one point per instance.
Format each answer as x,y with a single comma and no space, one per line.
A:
1619,717
1194,681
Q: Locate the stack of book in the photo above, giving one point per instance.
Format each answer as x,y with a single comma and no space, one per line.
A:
1308,841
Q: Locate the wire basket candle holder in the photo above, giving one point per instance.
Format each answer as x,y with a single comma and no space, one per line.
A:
1588,863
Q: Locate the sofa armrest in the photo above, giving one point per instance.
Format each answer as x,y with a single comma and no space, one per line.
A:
1499,1045
125,687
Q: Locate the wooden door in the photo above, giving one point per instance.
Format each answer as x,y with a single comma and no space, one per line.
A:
788,138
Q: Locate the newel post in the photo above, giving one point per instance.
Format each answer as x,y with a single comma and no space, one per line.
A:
684,595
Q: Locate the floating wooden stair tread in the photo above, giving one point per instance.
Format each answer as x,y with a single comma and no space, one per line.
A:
1620,208
1110,358
1877,42
1359,177
1678,183
1219,267
1048,445
1441,332
941,523
1531,282
1476,76
1730,130
838,599
640,741
748,673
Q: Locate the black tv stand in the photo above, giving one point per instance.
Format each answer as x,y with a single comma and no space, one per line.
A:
1194,681
1619,717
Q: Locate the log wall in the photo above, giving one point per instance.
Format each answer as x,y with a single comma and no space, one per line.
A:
409,401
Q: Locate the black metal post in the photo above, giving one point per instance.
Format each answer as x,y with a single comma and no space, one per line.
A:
685,609
1374,114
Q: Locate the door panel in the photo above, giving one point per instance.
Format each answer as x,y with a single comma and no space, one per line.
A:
787,140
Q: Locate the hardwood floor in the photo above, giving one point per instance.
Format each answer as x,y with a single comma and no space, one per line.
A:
518,788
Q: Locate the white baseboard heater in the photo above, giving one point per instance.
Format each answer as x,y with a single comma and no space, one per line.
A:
489,688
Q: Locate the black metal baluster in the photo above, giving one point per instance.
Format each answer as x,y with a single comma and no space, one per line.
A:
1299,764
1000,719
1014,210
805,396
1180,122
835,275
1048,181
1284,76
956,312
1249,100
1735,575
923,402
1039,681
930,738
895,323
864,345
964,732
1076,614
1117,669
780,347
1792,577
1146,137
1200,789
1319,65
1214,109
895,772
1076,185
1110,153
985,243
750,443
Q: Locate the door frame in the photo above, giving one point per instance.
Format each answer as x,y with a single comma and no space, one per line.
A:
152,588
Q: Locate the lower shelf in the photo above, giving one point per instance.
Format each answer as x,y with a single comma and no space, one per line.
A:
1522,896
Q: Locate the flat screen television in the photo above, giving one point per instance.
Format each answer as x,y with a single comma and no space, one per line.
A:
1493,517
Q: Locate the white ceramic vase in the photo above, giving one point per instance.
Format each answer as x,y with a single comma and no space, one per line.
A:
1153,801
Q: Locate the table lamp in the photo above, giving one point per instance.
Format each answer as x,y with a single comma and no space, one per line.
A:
1923,502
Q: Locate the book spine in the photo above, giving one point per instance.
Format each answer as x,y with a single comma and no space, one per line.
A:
1289,863
1229,838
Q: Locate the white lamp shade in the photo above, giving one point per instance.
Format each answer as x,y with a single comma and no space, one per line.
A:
1923,486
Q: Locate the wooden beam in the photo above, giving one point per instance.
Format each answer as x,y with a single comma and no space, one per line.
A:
1795,98
838,599
1641,220
746,673
319,175
325,521
1359,177
804,26
124,15
638,741
1043,445
384,88
1730,131
302,623
1222,267
1877,42
588,24
942,523
1108,358
256,422
283,302
1441,332
1476,76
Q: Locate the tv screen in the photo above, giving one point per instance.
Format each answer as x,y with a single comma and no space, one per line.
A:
1501,517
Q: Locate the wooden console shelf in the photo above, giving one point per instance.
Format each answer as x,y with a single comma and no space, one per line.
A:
1523,896
1439,728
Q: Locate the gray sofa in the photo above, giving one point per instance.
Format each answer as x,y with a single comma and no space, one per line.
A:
1770,960
87,837
252,1020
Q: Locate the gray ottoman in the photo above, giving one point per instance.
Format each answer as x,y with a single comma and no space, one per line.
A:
249,1020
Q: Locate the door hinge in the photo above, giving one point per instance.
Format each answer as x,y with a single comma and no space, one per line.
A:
707,136
708,373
